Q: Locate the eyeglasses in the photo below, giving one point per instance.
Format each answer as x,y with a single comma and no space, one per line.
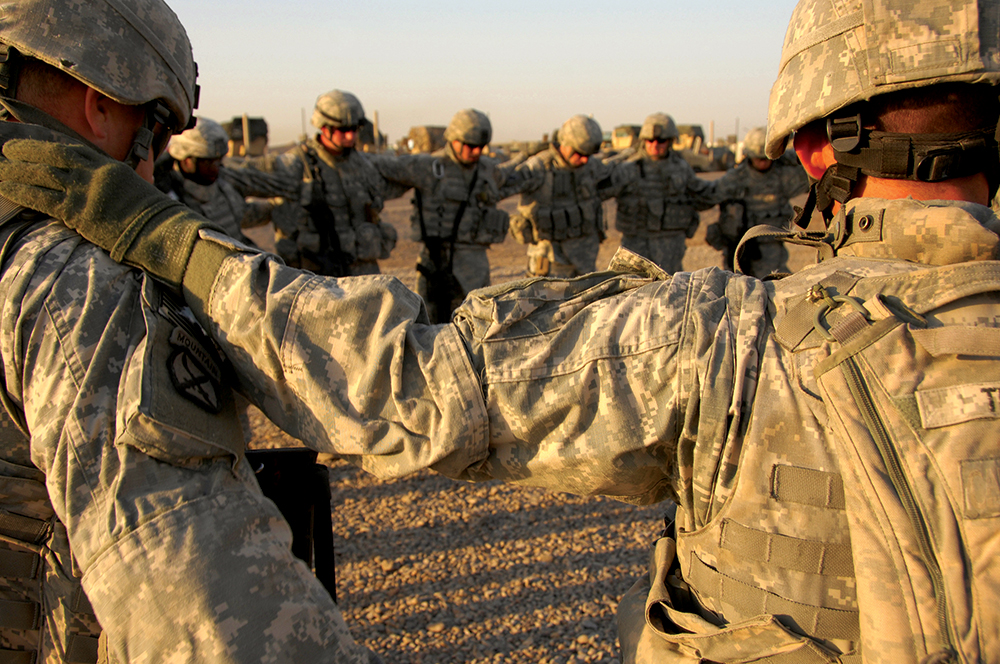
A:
348,130
660,141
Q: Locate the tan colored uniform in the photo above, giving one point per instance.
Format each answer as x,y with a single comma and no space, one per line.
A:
659,211
764,198
563,206
133,482
648,387
353,192
441,184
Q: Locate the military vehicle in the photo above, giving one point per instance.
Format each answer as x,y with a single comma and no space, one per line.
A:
624,136
424,138
241,147
702,158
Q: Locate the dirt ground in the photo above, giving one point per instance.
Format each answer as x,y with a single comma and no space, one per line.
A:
431,571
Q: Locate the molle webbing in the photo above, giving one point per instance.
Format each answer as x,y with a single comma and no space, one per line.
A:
753,601
805,486
787,552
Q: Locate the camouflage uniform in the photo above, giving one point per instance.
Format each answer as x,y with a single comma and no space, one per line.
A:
219,201
762,198
131,487
354,193
560,213
659,211
656,214
792,541
442,184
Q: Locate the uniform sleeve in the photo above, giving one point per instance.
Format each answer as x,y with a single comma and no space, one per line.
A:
700,191
794,180
402,173
349,366
592,386
730,186
615,177
266,177
181,556
510,180
603,385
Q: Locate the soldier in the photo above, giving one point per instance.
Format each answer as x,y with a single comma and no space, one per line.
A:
123,480
658,211
755,192
830,438
455,215
194,179
332,226
560,213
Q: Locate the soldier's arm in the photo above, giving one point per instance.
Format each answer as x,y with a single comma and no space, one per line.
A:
701,192
351,365
401,173
166,523
616,177
248,180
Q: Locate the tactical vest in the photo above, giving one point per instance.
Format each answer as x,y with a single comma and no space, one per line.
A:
481,222
764,197
658,201
888,536
348,187
566,206
35,569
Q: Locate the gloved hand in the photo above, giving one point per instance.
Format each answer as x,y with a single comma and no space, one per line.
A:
105,201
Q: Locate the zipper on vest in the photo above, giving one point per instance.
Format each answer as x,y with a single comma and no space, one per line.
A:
894,467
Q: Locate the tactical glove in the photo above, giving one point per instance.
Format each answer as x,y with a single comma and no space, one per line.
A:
105,201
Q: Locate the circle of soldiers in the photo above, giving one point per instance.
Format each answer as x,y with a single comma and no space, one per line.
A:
324,197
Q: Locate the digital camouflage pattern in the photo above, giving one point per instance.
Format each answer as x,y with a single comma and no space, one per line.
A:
469,126
86,40
144,491
754,143
562,206
658,211
581,133
641,386
352,189
206,140
763,197
338,109
658,125
837,52
444,183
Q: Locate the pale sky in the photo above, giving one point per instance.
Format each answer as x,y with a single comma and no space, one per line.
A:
529,64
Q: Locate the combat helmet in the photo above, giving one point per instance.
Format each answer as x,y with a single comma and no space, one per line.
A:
338,109
838,53
658,126
206,140
135,52
753,143
469,126
581,133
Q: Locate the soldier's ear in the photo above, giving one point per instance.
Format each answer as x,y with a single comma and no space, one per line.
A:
814,150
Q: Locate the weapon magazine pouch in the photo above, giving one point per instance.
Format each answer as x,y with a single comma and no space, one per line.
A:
670,626
493,226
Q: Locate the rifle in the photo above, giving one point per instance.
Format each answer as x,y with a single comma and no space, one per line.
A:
330,260
300,488
441,282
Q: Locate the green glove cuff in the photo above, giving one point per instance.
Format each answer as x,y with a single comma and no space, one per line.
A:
204,266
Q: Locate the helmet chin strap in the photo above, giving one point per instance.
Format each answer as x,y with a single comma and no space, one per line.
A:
897,156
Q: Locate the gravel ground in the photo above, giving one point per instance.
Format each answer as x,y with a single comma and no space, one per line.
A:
433,571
